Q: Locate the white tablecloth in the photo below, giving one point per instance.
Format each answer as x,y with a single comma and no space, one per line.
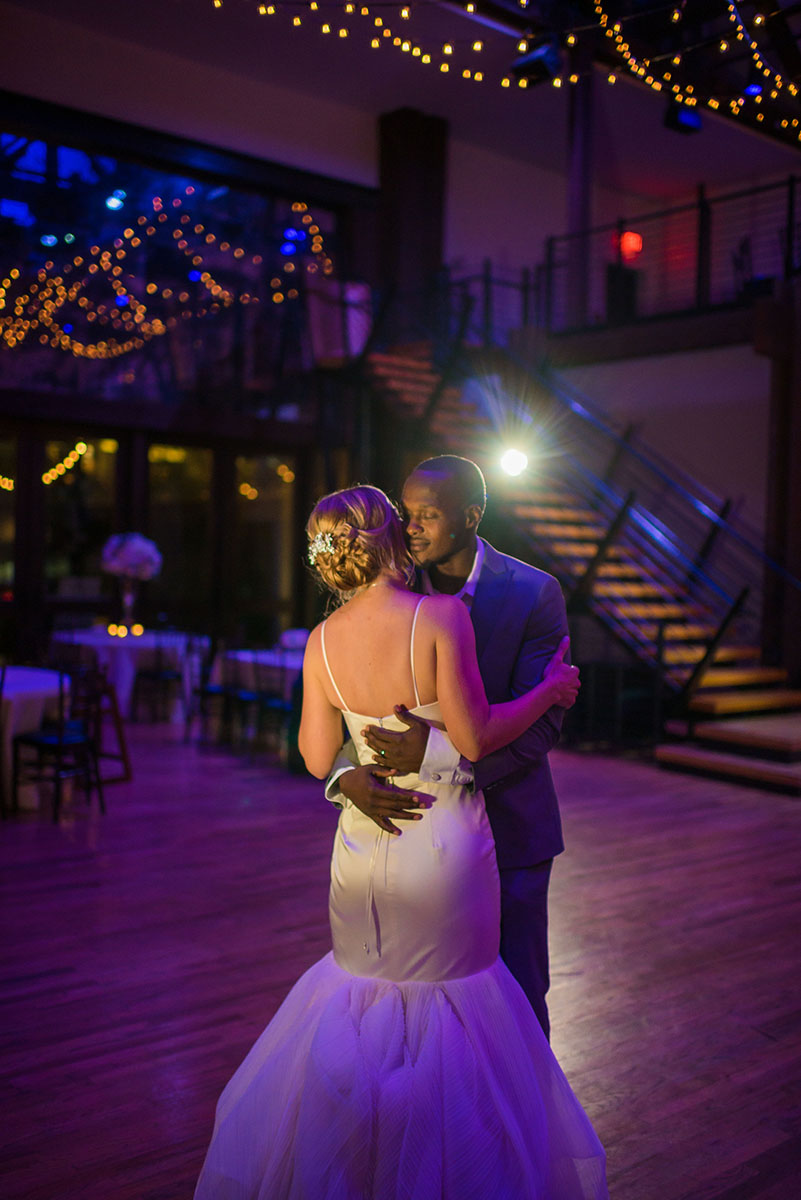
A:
123,657
28,693
259,670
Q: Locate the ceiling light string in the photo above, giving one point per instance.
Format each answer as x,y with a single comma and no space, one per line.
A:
657,80
36,304
775,78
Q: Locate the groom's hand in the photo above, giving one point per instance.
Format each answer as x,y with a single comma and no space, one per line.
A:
402,749
380,801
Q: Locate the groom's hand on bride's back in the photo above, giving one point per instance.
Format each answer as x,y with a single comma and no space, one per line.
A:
367,788
402,749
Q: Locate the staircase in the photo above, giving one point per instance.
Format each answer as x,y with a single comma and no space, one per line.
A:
739,717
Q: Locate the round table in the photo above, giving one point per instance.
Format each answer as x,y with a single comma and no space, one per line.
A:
122,657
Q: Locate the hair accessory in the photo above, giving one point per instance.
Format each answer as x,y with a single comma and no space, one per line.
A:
321,543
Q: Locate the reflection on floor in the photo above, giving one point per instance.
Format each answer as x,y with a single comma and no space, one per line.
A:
147,949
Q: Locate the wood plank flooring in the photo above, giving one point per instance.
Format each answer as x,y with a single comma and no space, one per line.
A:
143,953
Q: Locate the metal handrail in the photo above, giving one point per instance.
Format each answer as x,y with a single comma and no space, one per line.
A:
648,458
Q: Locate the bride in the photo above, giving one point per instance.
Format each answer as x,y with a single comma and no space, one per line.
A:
407,1064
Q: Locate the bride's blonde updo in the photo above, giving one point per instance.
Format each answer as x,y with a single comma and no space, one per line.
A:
354,536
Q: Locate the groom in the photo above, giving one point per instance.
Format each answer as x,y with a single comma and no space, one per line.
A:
518,614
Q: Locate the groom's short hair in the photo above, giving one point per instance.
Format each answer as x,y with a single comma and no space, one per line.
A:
467,475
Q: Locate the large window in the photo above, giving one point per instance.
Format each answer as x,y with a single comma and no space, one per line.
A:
8,472
127,282
266,555
180,525
79,482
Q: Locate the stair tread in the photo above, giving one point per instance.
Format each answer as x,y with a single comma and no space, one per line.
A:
559,530
680,632
643,611
626,589
724,654
554,512
746,700
741,676
764,770
403,368
778,732
581,549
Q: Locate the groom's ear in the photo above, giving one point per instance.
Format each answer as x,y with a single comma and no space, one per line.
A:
473,514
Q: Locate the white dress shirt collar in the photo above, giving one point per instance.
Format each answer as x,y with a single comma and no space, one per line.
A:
468,590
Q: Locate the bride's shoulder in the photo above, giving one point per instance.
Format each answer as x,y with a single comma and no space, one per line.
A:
444,612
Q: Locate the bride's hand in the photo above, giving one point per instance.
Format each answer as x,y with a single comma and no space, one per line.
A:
562,679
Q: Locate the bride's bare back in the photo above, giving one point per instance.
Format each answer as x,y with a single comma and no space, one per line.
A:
368,654
368,643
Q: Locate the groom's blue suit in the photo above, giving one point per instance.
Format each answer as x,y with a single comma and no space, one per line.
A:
519,618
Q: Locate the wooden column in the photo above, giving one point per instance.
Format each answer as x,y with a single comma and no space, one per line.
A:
223,516
29,548
133,492
412,162
779,336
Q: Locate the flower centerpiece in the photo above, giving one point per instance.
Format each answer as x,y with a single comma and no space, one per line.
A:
133,558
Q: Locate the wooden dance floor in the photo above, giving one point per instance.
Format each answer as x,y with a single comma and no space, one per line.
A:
144,952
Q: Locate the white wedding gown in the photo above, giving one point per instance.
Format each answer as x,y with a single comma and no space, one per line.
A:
407,1064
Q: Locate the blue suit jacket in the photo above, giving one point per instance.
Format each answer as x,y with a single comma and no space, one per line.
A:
519,618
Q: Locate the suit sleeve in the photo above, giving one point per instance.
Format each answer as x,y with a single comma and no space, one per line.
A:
346,760
547,625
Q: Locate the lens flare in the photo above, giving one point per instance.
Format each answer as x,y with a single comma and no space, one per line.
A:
514,462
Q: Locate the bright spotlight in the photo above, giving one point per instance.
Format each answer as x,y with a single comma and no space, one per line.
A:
514,462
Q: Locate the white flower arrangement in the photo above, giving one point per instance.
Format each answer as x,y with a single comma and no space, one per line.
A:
131,556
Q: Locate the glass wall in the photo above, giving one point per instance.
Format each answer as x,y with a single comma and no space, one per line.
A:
79,482
266,554
8,472
180,525
126,282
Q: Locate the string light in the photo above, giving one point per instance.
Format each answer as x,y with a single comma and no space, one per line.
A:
657,79
67,463
405,45
36,306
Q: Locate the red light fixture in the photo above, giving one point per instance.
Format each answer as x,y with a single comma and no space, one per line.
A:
630,245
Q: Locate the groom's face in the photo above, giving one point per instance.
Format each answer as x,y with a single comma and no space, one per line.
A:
437,523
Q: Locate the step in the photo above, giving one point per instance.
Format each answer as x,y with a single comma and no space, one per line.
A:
679,633
641,612
575,549
677,655
776,734
535,496
627,590
746,701
757,771
557,530
554,512
402,366
717,677
620,570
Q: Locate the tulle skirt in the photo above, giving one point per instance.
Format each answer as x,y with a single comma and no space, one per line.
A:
367,1089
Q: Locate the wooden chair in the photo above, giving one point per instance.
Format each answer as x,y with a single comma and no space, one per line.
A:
206,699
64,747
158,680
77,660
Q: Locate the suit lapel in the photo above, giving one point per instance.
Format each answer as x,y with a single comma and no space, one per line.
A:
488,602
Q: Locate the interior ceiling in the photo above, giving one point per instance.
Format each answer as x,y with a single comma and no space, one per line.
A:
633,152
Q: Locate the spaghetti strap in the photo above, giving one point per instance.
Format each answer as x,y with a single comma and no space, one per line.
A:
328,668
411,652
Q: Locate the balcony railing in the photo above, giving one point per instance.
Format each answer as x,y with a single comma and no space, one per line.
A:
716,252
